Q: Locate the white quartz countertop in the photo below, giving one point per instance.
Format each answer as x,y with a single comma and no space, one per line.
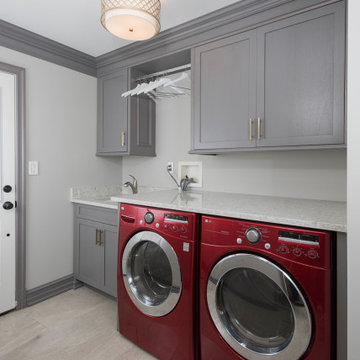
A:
96,195
100,195
105,203
316,214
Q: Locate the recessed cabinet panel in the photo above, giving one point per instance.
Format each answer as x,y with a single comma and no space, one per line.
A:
143,126
301,79
292,86
95,248
113,115
224,92
89,261
126,126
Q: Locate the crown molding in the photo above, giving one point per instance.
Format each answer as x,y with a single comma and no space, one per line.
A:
231,19
225,21
203,23
27,42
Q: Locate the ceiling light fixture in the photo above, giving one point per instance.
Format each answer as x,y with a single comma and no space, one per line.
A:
131,19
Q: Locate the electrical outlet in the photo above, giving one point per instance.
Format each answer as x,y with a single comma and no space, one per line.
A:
170,167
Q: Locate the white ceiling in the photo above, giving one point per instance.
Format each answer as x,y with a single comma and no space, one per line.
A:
76,23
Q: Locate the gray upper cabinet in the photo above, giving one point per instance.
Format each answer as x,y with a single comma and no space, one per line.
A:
224,92
112,114
126,126
301,79
278,86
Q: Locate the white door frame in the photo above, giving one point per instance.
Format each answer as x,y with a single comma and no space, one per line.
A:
20,294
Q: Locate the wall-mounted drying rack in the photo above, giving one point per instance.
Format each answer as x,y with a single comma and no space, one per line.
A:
160,85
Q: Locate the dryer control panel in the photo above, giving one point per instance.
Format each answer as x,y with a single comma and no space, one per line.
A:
174,223
301,245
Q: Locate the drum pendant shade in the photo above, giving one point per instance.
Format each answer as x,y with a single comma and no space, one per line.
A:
131,19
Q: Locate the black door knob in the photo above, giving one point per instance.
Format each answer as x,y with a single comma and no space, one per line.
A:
8,205
7,188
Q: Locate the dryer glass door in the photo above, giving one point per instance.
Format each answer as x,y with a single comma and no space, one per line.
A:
257,308
151,273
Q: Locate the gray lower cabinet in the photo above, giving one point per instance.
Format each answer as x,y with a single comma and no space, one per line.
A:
95,247
126,126
278,86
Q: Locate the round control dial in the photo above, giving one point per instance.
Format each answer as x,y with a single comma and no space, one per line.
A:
149,217
253,235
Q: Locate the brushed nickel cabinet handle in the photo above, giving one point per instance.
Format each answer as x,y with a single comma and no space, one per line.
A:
123,139
250,129
97,237
101,232
259,128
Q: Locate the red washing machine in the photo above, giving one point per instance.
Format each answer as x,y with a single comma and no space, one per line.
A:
156,280
265,292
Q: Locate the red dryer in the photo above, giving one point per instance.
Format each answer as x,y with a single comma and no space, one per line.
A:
265,292
156,280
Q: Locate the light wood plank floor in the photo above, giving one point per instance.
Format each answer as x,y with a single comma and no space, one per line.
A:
76,325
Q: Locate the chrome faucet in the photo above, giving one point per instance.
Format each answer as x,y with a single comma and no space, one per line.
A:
133,185
184,183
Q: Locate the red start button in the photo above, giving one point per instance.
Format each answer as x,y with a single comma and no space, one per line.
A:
297,251
166,226
312,254
174,228
183,229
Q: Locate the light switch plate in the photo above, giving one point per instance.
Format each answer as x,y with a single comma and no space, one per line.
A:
33,168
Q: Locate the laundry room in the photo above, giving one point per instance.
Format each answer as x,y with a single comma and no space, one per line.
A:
179,180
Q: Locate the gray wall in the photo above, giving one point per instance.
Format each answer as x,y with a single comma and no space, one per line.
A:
61,134
304,174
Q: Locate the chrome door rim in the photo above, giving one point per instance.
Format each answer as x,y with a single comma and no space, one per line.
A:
176,288
300,340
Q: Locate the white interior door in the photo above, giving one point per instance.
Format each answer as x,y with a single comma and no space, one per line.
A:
7,195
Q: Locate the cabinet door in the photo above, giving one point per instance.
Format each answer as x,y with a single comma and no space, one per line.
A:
109,242
301,79
224,92
89,255
142,121
112,114
142,137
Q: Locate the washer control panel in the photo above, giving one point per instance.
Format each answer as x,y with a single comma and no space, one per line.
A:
297,244
169,222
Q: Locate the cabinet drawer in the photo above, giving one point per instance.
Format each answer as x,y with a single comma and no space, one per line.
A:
95,213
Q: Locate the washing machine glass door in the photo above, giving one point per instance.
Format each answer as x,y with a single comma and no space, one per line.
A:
258,309
151,273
